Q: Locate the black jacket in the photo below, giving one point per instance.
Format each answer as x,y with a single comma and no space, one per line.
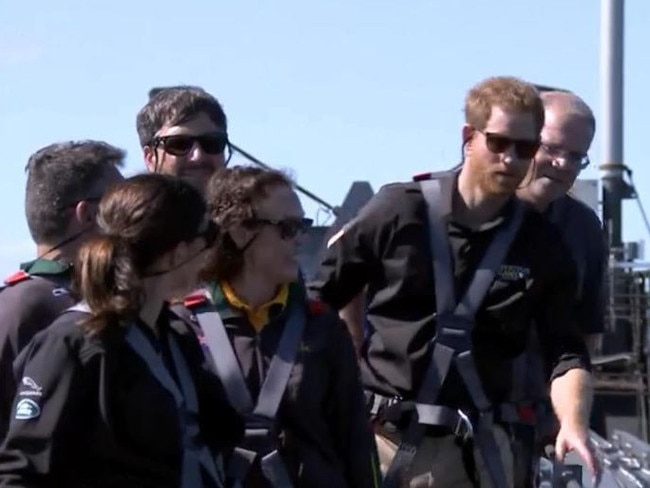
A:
326,440
386,248
30,300
89,413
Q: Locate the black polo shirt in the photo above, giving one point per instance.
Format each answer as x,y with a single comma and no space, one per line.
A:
586,240
387,248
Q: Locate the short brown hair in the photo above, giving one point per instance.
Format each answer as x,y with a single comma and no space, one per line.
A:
506,92
59,175
231,196
140,218
175,105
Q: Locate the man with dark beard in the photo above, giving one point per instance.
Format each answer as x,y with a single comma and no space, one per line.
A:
183,132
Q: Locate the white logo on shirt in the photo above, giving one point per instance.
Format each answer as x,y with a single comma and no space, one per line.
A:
31,388
27,409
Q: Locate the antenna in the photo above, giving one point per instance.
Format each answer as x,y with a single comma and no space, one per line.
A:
612,169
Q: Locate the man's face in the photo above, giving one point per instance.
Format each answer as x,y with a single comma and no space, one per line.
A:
192,150
499,155
563,154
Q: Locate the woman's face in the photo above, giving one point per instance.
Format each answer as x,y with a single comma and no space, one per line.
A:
186,260
279,228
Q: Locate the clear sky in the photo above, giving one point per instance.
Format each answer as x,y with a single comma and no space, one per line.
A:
334,90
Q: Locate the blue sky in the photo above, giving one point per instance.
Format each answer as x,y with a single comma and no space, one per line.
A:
334,90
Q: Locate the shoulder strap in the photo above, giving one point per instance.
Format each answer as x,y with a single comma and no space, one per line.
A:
223,356
437,194
282,363
195,455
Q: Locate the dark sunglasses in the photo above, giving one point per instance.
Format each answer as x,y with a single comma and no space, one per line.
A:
498,144
182,144
288,227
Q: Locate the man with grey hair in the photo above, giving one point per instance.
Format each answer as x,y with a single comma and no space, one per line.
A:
65,182
566,137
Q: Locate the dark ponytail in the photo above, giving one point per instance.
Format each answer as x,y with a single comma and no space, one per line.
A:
108,281
140,219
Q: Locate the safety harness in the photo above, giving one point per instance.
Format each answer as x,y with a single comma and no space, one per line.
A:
452,344
261,440
196,457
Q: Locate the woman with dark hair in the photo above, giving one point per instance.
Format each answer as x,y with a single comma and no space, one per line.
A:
288,363
114,393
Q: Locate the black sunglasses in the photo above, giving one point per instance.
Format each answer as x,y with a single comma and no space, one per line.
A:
288,227
180,145
498,143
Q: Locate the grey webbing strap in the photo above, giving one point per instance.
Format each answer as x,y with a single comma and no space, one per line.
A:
228,369
223,356
195,455
437,194
282,363
438,198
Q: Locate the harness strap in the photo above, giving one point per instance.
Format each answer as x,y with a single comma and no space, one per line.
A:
196,457
455,322
261,437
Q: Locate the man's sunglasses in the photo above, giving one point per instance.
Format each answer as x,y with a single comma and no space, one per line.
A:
288,227
498,144
181,145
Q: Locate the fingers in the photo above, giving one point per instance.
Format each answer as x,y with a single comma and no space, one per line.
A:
560,449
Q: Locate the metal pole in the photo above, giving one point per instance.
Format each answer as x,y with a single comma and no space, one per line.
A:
302,190
612,168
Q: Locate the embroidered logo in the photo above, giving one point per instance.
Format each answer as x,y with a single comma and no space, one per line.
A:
27,409
31,388
509,272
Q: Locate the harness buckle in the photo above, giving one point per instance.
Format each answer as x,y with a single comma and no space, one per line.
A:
455,332
259,432
464,428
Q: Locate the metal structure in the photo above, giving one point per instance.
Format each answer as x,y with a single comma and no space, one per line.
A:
612,167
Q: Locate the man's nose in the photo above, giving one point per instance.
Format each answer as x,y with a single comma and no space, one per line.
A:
562,163
509,155
196,154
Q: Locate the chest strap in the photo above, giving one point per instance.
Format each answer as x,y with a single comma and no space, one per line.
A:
452,345
261,438
196,457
